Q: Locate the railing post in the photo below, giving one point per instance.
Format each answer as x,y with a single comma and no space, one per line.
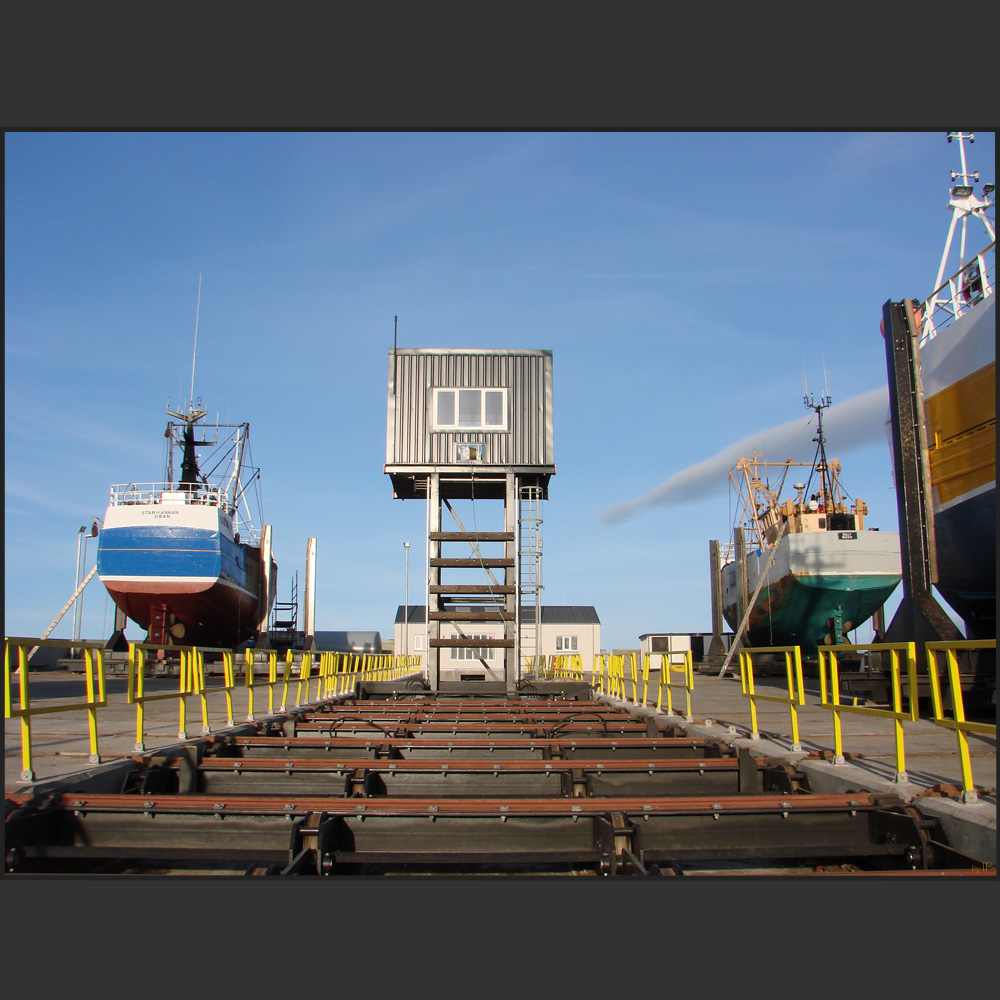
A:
250,659
746,677
24,692
229,679
959,723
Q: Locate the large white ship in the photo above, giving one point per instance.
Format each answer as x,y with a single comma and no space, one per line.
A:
958,370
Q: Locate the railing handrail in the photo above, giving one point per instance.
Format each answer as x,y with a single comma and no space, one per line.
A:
141,494
667,665
959,723
793,679
953,305
96,694
335,675
896,713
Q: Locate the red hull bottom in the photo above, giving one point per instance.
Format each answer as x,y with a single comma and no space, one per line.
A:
218,615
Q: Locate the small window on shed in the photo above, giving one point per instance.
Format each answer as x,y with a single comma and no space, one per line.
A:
470,407
445,408
494,409
472,410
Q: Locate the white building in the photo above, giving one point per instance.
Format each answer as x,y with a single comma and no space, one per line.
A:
564,631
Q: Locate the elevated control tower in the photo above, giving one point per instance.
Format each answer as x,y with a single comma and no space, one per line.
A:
476,425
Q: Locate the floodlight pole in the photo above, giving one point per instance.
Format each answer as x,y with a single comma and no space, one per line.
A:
406,600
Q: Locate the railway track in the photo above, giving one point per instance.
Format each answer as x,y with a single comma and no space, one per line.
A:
419,785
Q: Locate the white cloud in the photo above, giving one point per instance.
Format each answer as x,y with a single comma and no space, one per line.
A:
857,421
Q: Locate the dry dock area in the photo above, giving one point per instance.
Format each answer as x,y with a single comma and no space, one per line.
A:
561,779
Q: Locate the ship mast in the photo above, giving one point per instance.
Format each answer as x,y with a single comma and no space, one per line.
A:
189,463
963,205
819,462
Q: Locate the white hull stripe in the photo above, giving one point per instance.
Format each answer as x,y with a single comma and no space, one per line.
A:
206,581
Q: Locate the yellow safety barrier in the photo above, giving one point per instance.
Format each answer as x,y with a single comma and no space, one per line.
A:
252,684
191,683
830,694
343,671
328,670
599,671
616,675
334,674
796,693
645,677
533,665
610,676
305,677
667,666
564,666
633,673
959,723
93,656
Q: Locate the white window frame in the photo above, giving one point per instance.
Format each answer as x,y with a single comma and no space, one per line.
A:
457,424
567,644
420,642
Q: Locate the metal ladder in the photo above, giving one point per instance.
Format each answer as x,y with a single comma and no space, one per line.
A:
529,579
287,624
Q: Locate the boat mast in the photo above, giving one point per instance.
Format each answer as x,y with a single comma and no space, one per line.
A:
963,204
820,460
189,464
194,352
235,477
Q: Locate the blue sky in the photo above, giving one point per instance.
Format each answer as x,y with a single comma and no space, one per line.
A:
683,282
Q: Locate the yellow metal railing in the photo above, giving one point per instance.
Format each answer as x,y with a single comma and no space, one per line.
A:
793,677
333,674
959,723
342,671
830,694
191,683
618,675
564,666
668,666
645,676
273,680
634,675
598,674
16,653
613,676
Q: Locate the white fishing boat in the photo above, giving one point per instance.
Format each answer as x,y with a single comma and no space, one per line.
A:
808,570
188,558
183,558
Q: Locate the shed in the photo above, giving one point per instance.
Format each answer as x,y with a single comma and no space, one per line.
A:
478,412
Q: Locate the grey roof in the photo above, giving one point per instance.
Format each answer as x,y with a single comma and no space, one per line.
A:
574,614
349,642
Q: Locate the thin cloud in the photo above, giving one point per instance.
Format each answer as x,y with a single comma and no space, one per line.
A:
863,155
855,422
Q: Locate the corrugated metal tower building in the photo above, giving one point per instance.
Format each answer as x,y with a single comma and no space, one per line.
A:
475,424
